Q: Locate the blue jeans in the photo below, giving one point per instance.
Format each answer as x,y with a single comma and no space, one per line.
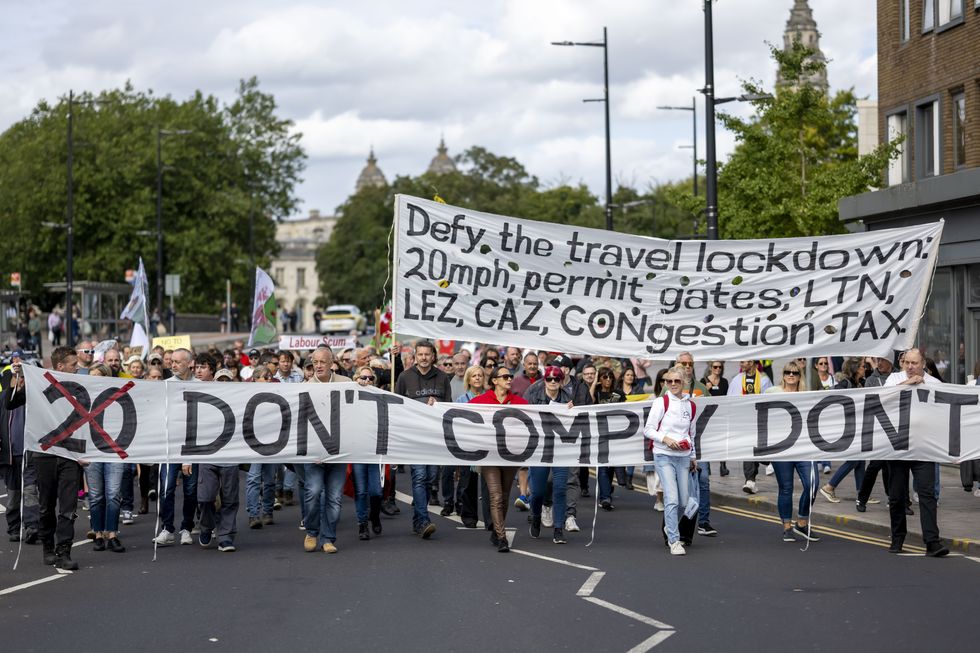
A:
168,485
675,476
260,485
104,495
420,496
604,483
784,478
704,489
857,466
559,489
367,483
126,492
324,492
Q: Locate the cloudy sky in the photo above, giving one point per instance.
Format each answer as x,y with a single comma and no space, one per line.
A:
398,75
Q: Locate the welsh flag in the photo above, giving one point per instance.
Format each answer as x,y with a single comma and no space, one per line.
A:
264,329
384,328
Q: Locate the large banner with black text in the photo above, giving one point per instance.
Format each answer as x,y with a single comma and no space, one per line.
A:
112,420
466,275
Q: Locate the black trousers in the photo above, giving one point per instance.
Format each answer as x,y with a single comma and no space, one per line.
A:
58,482
472,486
11,475
924,479
870,476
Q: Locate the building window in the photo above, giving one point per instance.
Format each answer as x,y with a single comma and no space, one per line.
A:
949,10
898,168
300,278
279,275
959,130
927,139
928,15
905,19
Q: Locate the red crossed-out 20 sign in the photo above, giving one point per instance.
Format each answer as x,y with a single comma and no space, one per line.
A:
84,413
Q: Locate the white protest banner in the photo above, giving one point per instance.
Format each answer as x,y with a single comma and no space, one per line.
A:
466,275
314,341
152,421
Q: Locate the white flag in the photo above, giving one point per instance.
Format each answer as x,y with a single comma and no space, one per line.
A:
264,328
136,310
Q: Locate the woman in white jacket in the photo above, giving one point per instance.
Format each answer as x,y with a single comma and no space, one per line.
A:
670,426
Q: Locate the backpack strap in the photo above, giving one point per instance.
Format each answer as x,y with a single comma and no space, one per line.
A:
666,406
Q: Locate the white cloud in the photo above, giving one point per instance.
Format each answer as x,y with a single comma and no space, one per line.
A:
353,75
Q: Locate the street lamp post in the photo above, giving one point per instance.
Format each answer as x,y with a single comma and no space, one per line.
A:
711,165
604,44
160,134
70,272
694,113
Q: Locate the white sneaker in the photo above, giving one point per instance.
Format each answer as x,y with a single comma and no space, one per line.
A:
976,493
572,526
165,538
826,469
659,505
872,501
749,487
186,537
547,517
915,497
769,470
127,517
677,549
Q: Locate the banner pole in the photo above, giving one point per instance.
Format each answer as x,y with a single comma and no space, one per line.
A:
394,284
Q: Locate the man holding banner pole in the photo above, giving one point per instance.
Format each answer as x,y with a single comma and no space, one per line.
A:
923,473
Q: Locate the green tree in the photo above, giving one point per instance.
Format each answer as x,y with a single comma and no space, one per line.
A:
238,160
793,160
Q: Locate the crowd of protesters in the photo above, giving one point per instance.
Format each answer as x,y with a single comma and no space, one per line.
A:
114,494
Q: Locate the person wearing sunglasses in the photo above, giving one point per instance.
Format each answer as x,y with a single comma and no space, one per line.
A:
367,477
792,381
86,356
670,425
499,479
549,496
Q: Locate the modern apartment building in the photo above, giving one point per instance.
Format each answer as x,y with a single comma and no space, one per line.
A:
929,97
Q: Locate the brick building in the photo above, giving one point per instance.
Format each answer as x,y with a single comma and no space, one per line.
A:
929,95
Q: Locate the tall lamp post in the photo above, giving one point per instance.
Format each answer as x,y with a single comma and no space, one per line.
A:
711,164
160,134
694,114
604,99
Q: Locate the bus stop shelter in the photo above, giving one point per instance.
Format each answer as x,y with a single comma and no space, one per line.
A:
101,303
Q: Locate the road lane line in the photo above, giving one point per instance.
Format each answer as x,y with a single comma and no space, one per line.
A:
556,560
651,641
589,585
823,530
626,612
46,579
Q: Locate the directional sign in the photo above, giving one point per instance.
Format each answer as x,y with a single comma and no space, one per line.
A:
171,285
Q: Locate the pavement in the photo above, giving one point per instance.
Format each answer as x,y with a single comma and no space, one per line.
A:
959,511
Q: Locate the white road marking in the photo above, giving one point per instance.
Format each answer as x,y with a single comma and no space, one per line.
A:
589,585
556,560
651,641
39,581
626,612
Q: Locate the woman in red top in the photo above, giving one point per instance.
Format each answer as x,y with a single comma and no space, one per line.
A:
499,479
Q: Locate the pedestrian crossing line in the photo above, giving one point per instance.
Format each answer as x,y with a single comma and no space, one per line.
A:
589,585
823,530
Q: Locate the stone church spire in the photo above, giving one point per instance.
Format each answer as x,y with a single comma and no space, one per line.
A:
802,27
441,163
371,175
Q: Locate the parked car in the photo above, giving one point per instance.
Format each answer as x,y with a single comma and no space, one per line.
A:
342,318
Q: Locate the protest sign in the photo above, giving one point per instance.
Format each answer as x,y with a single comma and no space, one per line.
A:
314,341
466,275
107,419
173,342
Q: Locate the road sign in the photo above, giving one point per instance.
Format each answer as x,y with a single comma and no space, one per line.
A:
15,279
171,285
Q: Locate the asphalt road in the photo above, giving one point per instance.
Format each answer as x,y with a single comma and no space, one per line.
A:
745,590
